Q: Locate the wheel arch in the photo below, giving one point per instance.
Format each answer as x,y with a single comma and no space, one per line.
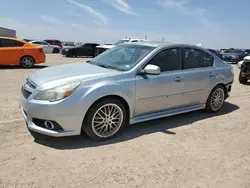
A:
223,85
118,97
23,56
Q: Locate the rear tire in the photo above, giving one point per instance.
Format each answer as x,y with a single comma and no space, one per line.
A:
105,119
242,79
215,100
27,62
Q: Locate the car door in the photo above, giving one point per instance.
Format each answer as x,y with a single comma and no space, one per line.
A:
47,47
164,91
87,50
10,51
199,75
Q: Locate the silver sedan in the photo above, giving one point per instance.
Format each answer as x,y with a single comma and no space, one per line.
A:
127,84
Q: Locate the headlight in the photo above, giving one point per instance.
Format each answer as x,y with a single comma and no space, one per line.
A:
66,49
57,93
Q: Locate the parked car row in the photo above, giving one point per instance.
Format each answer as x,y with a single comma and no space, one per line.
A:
93,49
231,55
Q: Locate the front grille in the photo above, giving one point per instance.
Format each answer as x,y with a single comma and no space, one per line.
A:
25,93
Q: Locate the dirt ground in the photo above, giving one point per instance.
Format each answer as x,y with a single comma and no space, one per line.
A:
194,150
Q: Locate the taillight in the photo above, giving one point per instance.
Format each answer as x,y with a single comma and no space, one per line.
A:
41,50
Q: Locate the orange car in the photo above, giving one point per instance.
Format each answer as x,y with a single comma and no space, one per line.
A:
18,52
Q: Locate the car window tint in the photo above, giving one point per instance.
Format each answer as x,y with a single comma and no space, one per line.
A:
194,58
135,41
44,43
168,60
36,42
11,43
1,45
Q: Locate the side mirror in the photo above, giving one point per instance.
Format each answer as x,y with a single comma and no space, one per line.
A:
152,69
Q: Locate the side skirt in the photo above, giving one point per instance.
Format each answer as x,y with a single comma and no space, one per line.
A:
166,113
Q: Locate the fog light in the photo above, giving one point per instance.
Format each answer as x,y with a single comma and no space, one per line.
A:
49,125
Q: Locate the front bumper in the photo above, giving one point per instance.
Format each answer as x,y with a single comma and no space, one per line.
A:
59,112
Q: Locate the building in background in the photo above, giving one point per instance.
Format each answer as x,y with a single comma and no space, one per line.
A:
4,32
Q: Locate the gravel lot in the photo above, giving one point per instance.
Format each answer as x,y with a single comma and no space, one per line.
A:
185,151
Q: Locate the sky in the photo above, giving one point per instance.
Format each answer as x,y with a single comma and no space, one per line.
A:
214,23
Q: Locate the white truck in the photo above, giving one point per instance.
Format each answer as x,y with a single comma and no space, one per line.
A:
100,49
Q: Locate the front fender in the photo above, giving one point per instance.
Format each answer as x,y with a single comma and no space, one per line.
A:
101,90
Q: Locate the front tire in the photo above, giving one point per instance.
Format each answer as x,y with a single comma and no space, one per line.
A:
56,50
105,119
242,79
215,100
27,62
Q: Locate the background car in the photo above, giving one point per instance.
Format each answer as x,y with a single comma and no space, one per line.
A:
244,67
48,48
129,83
68,44
18,52
216,52
87,49
233,55
54,42
102,48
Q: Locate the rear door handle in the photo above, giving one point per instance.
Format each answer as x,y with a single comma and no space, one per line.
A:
178,78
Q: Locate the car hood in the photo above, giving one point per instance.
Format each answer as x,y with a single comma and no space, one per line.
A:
106,46
70,72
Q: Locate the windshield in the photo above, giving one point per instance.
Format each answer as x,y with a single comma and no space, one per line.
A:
121,42
123,57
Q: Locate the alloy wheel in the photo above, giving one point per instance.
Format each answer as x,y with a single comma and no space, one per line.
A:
217,99
27,62
107,120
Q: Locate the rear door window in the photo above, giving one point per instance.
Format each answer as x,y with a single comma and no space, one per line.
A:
195,58
1,45
11,43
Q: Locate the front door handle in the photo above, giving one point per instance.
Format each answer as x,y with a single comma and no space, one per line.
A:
178,78
211,74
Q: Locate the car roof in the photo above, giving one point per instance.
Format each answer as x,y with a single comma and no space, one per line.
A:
38,41
157,44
